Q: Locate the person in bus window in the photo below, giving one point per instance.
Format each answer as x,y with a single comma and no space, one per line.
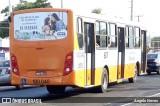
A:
57,24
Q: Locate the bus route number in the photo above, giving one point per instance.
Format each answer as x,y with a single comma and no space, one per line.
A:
41,81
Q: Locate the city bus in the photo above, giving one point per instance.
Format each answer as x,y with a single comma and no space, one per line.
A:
59,48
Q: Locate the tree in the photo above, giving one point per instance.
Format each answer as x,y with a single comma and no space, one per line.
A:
28,5
4,29
4,25
97,10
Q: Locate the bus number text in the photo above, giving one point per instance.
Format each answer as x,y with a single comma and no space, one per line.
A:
41,81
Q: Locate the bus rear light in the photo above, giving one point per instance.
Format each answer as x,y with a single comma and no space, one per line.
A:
15,69
67,69
68,63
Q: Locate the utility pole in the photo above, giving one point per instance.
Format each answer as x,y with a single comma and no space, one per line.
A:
10,6
61,3
62,7
138,16
131,10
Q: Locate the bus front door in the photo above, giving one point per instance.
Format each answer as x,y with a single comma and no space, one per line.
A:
89,53
121,53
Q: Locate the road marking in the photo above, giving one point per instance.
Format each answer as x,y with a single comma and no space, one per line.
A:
144,97
126,104
154,95
107,104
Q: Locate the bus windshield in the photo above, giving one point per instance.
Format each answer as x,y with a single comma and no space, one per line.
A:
40,26
152,56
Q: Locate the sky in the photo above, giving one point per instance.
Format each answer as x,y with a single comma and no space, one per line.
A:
148,10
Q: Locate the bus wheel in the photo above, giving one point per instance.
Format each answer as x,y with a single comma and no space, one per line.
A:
55,89
133,79
19,87
104,82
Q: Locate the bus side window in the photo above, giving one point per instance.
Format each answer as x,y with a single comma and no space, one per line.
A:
97,34
127,37
131,36
137,38
101,34
80,32
112,39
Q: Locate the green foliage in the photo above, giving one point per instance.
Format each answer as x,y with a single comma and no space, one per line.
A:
28,5
4,29
97,10
5,10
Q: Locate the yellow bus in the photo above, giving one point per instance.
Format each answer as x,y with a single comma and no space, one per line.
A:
59,48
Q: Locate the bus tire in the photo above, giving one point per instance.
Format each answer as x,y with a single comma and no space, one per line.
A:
133,79
55,89
104,82
19,87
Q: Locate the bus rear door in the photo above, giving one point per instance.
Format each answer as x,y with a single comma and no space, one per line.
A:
89,53
121,53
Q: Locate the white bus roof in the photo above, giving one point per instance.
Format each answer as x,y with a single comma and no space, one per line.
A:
110,19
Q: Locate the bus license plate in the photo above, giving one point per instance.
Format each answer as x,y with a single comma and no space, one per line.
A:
41,81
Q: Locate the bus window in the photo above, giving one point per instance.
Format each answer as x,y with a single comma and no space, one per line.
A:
103,28
127,38
130,29
112,29
98,34
39,26
97,28
113,37
137,38
101,34
80,32
113,41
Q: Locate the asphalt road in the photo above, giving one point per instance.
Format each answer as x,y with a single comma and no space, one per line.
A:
124,94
